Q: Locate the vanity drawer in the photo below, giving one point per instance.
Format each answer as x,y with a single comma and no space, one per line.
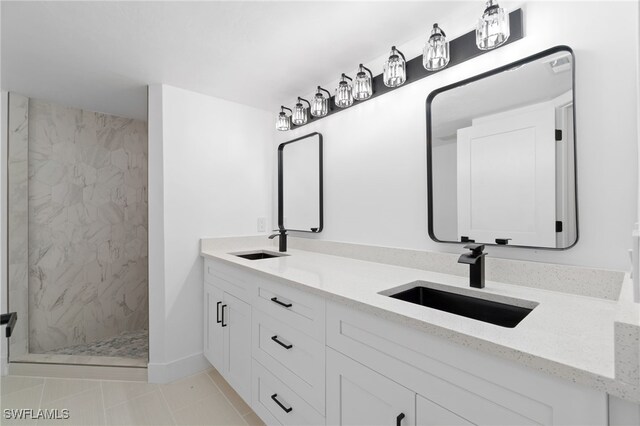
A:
300,310
230,279
276,404
477,387
292,356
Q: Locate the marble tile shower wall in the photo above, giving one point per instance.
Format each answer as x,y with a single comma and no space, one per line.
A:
87,201
18,262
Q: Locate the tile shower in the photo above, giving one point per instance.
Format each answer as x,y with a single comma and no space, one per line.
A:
78,274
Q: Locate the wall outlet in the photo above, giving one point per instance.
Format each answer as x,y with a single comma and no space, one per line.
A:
262,224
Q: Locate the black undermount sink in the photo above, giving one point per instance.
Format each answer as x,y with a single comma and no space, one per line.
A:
502,314
257,255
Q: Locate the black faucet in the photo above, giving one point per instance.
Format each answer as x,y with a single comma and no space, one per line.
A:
283,239
475,260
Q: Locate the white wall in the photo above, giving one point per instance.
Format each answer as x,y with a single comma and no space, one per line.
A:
375,153
209,176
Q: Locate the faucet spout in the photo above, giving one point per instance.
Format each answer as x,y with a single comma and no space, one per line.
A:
475,260
282,244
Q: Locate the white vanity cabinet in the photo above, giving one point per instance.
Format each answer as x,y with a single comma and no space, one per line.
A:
428,413
213,331
451,382
227,327
357,395
298,358
289,349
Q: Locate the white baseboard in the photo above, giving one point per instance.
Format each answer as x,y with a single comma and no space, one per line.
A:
178,369
65,371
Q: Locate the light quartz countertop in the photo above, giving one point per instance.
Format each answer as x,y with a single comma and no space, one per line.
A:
566,335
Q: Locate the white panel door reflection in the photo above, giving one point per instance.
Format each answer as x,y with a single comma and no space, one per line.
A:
506,177
501,155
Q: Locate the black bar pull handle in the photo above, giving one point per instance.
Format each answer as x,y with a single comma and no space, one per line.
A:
286,305
399,419
275,399
10,321
502,241
218,320
275,339
223,323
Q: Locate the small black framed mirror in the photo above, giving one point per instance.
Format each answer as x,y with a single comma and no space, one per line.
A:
501,155
300,199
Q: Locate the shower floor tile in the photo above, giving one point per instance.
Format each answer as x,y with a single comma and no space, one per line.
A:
131,344
130,349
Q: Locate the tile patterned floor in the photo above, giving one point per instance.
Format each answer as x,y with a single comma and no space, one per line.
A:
130,344
202,399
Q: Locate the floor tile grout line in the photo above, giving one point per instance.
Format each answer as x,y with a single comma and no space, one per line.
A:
133,399
104,404
41,396
227,398
28,387
197,400
71,394
164,399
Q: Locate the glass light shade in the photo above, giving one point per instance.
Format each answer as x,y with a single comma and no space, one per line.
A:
299,116
435,55
319,105
283,123
344,95
395,70
493,27
362,88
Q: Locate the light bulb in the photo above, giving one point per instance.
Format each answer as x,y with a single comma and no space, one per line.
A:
363,84
493,27
435,55
344,94
299,116
395,69
283,123
320,104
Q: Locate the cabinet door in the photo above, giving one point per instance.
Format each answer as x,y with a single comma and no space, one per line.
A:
429,413
357,395
236,324
213,332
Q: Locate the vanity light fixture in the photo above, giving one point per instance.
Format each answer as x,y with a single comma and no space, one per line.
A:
299,116
395,69
493,27
363,84
435,55
283,123
344,92
320,104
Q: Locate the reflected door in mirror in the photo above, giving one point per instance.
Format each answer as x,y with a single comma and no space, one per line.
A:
506,177
501,155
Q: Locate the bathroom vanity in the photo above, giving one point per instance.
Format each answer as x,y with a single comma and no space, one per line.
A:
310,338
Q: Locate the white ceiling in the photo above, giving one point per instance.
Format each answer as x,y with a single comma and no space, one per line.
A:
101,55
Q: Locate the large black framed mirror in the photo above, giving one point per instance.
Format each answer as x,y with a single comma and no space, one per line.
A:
501,155
300,200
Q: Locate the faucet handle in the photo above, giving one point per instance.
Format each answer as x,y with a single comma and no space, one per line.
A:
475,248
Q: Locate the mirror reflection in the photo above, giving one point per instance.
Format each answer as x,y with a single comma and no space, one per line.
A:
300,184
502,155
